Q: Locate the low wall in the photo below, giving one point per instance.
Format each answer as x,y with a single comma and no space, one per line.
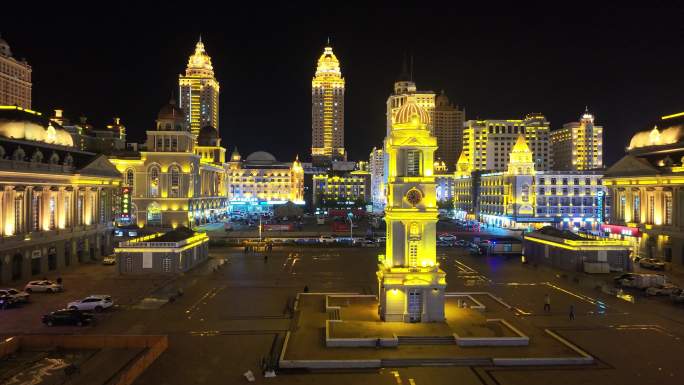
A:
153,347
520,339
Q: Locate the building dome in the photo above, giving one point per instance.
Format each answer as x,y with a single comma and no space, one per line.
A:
170,111
261,157
410,111
208,136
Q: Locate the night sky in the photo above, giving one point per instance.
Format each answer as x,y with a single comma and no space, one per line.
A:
625,64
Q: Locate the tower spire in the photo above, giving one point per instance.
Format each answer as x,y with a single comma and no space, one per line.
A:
328,42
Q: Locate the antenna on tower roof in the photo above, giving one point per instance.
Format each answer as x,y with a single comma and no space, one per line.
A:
411,74
200,38
328,41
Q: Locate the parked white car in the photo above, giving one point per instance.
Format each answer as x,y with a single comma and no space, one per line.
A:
652,263
43,286
92,302
18,296
447,238
327,239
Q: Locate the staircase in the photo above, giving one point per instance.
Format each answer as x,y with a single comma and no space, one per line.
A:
426,340
334,315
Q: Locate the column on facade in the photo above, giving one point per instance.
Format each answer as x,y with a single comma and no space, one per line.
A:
8,196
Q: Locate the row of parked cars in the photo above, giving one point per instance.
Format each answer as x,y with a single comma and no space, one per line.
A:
79,312
651,284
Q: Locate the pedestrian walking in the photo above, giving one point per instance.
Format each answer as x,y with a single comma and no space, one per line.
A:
572,312
306,288
547,303
265,258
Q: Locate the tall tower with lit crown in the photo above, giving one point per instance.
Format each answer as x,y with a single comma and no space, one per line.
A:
327,110
411,284
199,91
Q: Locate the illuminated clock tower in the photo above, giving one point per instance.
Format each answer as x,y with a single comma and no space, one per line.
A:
411,284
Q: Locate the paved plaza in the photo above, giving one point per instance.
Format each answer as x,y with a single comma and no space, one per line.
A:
228,320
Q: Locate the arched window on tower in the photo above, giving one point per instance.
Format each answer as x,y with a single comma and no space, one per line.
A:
154,181
130,179
174,182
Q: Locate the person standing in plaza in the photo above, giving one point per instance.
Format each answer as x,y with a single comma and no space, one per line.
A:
572,312
547,303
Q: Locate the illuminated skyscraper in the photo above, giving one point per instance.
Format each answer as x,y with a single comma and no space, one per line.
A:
199,91
327,110
411,284
578,145
15,79
448,128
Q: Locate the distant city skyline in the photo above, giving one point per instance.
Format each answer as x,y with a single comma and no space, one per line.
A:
602,59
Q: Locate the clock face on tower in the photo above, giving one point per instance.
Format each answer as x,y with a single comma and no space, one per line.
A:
414,196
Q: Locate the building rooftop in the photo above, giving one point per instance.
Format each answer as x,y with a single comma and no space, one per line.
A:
176,235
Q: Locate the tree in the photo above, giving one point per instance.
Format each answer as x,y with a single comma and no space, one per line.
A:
447,204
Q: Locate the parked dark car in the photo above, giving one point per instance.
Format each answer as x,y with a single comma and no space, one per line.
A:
68,317
7,301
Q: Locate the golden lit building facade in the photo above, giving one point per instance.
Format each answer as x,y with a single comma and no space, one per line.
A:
57,203
342,189
578,145
15,79
647,190
410,283
199,91
174,180
488,143
327,110
260,182
523,198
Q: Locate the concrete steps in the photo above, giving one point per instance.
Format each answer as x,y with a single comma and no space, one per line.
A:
426,340
334,315
413,362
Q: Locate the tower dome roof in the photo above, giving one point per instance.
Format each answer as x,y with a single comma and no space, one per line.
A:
208,136
410,111
199,62
328,63
170,111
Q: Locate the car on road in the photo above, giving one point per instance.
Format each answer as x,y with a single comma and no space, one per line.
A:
677,296
68,317
7,301
109,260
368,243
92,302
652,263
44,286
462,243
665,289
18,296
447,238
443,243
327,239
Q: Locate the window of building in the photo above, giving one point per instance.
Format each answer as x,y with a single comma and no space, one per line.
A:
154,181
79,209
621,207
174,186
636,206
651,209
668,209
565,181
67,211
587,181
130,177
19,214
36,205
52,207
553,191
413,163
553,180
